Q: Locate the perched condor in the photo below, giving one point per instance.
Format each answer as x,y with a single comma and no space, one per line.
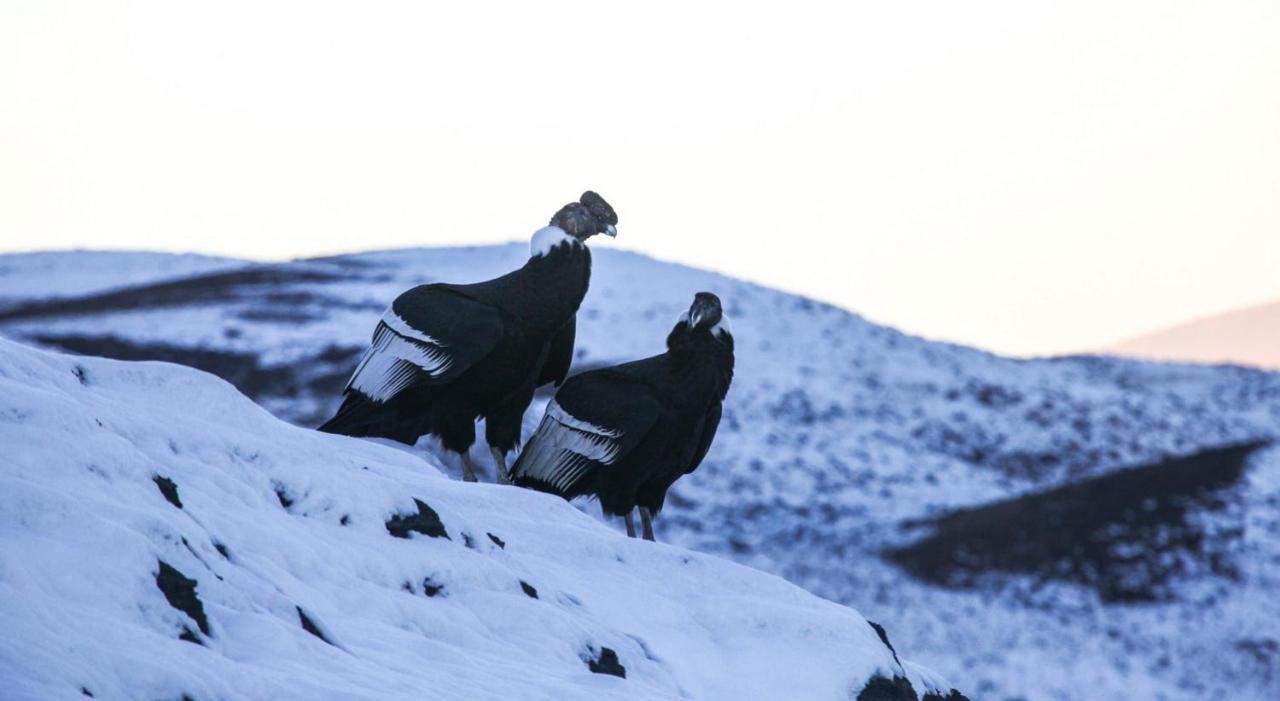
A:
625,434
445,355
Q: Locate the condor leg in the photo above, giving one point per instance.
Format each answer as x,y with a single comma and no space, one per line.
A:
500,460
646,522
457,434
468,469
631,526
502,428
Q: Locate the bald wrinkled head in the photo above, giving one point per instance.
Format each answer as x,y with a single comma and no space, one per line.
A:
589,216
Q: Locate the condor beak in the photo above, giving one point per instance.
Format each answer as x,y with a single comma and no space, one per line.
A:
694,318
610,231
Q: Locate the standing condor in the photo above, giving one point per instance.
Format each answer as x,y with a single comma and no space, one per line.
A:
625,434
445,355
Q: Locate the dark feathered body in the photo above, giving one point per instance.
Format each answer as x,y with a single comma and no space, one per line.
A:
625,434
473,351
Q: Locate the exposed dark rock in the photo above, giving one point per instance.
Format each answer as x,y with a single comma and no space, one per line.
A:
606,662
345,520
796,407
1262,655
881,688
497,541
222,549
1127,533
426,522
180,591
168,489
279,315
993,396
952,695
189,636
81,375
1264,650
282,493
85,690
432,588
884,638
310,626
529,591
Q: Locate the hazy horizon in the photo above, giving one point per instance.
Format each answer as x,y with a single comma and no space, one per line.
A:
1029,178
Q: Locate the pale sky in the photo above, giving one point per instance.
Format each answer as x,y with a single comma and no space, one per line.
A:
1028,177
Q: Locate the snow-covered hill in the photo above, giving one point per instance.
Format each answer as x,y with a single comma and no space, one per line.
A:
46,274
845,445
161,537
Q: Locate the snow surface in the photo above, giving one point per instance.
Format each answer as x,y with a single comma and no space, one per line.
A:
278,521
838,433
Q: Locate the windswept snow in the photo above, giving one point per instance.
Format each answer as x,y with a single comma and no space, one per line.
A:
162,537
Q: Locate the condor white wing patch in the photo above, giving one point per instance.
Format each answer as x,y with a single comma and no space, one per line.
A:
565,448
398,355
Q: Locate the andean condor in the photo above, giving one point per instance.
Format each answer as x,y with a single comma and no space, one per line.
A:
625,434
445,355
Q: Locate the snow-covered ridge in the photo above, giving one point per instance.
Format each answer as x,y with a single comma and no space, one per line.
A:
162,537
50,274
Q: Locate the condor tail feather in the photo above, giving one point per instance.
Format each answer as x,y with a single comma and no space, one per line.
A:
360,416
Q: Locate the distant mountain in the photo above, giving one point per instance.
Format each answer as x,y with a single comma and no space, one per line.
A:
1249,336
1019,526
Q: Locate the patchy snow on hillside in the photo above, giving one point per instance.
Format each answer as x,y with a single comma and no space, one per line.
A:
49,274
162,537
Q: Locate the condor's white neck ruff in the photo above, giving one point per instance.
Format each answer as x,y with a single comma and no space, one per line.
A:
547,238
722,325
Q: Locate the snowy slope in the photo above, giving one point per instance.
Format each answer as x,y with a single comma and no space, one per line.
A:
163,537
842,443
44,274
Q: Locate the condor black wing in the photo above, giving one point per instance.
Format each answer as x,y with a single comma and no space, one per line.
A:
706,434
559,355
428,336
